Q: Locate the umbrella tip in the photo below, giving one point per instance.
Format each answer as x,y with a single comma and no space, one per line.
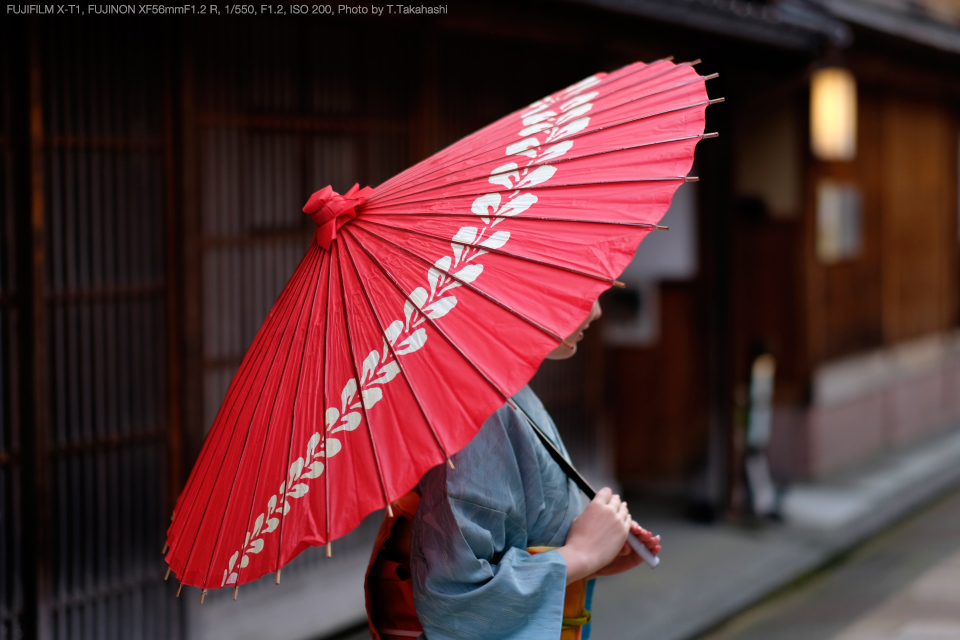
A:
389,510
716,100
179,589
711,76
663,227
203,594
329,550
694,63
710,135
278,575
450,462
692,179
619,284
166,576
668,59
236,591
568,344
165,547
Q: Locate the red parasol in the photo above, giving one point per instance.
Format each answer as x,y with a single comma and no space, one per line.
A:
421,306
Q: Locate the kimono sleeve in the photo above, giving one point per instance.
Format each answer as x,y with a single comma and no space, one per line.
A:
472,575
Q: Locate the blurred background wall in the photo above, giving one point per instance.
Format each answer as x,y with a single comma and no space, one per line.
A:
152,171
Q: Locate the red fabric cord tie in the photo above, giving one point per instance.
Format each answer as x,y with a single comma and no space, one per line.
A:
329,211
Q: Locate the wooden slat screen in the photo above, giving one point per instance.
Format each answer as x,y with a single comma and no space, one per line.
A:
11,481
105,461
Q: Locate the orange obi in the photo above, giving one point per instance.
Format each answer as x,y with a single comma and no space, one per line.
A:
575,614
388,590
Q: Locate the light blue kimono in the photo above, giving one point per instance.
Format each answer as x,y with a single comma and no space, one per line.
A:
472,575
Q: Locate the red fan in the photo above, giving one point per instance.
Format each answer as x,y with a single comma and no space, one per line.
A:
421,306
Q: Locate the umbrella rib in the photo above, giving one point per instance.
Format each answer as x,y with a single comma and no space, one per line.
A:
488,146
537,163
432,322
243,450
474,216
263,348
471,287
388,186
500,252
255,347
363,405
293,410
396,358
705,103
373,200
542,187
323,405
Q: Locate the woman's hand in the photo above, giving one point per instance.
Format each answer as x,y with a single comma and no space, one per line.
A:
597,536
628,558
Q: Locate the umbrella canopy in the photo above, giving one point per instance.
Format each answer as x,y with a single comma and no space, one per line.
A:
420,306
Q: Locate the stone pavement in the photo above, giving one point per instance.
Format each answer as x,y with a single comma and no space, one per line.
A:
902,585
928,609
709,574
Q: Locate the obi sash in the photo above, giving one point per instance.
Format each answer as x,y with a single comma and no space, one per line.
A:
388,590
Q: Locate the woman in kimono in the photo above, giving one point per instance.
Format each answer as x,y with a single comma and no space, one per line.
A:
476,568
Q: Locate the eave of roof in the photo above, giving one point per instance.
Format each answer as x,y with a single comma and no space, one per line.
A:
786,25
901,19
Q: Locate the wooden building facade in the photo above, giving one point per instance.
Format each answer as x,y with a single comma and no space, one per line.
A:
152,173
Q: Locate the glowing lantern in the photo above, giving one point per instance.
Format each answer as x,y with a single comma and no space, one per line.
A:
833,114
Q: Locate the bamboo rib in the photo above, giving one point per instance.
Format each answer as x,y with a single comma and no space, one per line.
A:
471,287
408,177
392,193
265,345
283,515
509,126
538,187
499,252
356,374
403,373
243,449
260,346
473,216
434,325
552,162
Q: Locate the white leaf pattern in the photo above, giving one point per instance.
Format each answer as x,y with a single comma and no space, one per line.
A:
349,422
298,491
497,240
387,373
346,396
441,307
393,331
469,273
371,397
413,343
369,366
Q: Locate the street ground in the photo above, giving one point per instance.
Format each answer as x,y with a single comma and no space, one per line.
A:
903,584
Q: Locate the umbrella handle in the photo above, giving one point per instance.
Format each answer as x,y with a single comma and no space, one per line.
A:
641,549
634,542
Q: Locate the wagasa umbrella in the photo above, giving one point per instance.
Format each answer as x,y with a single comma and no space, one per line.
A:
421,306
